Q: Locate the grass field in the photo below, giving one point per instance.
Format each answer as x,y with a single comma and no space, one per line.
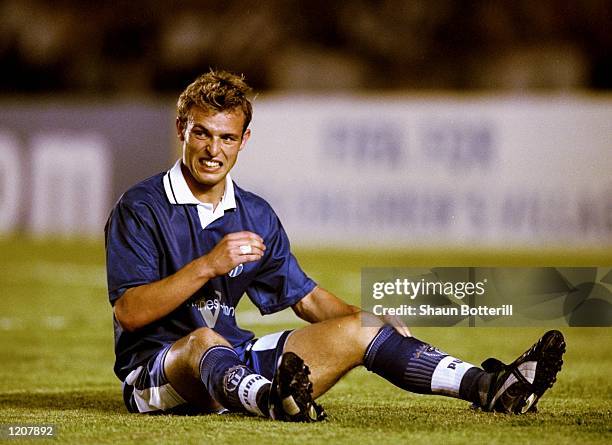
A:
56,357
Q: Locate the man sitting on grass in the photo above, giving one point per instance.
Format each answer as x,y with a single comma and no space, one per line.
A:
185,245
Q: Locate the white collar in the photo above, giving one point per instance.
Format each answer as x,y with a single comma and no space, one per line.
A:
178,191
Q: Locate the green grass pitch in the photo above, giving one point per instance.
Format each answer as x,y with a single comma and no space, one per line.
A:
56,356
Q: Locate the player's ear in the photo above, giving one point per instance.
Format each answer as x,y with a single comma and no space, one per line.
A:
245,137
180,129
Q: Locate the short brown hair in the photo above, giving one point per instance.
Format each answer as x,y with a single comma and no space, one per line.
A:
216,91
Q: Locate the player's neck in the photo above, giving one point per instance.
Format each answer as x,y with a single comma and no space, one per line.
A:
212,194
209,195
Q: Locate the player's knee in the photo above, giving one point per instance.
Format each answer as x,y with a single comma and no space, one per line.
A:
363,319
362,326
202,339
185,354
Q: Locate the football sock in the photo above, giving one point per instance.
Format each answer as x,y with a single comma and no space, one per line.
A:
419,367
233,384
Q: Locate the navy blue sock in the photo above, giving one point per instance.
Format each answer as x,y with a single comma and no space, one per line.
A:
233,384
418,367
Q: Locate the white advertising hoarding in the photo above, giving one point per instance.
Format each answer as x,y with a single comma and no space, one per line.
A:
64,164
433,172
350,171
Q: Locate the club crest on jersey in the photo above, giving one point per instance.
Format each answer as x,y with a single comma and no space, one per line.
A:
236,271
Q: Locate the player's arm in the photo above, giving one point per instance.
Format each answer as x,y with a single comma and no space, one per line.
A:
144,304
320,305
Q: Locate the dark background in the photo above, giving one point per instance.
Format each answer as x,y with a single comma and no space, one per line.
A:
144,47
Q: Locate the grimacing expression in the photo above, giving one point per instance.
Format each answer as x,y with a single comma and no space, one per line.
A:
211,142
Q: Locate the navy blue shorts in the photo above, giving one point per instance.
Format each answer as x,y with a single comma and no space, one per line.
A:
147,390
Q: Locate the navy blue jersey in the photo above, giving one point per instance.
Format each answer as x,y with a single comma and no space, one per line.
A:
157,227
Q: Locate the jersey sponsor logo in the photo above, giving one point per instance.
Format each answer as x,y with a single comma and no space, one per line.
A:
236,271
210,309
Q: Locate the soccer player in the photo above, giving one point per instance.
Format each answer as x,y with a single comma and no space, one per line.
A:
185,245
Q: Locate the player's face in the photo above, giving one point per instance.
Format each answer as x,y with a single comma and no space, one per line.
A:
211,142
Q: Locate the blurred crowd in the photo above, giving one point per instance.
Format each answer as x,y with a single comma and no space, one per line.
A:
146,46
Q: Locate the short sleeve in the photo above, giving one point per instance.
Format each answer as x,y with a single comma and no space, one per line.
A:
132,257
280,282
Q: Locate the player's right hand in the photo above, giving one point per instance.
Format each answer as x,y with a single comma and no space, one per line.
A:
233,249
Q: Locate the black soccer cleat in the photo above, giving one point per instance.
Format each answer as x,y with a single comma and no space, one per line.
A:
291,392
516,388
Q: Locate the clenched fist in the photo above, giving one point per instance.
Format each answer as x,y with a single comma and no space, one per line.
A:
233,249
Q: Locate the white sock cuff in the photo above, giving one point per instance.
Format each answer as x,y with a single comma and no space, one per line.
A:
247,392
447,376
